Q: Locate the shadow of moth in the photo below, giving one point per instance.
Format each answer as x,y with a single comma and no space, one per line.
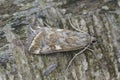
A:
46,40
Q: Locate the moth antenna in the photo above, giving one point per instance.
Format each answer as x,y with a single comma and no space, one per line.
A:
77,25
72,24
76,56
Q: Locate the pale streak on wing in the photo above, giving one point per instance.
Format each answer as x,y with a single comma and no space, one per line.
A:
58,47
59,30
33,41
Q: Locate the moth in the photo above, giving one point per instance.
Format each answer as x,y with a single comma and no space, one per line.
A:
46,40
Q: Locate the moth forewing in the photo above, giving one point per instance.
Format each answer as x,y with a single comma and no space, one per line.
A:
51,40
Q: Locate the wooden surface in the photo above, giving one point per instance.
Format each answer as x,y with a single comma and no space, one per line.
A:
100,62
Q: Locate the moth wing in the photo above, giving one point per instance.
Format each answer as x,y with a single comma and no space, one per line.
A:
51,40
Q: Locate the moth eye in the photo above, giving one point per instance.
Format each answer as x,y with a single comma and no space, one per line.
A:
93,40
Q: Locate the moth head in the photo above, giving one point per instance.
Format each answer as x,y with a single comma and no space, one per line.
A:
93,40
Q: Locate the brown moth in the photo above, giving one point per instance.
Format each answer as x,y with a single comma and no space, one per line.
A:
51,40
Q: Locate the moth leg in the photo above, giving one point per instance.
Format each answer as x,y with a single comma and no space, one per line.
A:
95,56
76,56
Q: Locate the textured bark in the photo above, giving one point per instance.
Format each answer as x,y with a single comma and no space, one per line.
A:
100,62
